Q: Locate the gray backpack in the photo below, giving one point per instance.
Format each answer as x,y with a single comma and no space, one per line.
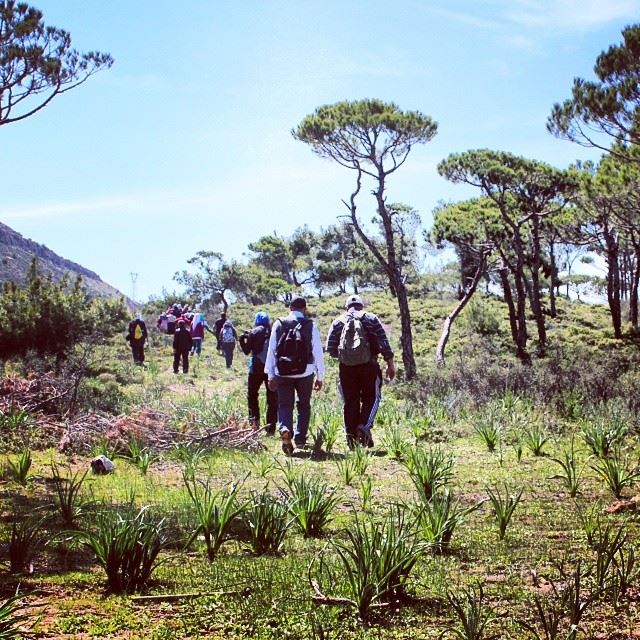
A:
353,348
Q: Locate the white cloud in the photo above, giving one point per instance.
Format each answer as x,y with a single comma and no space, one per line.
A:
560,14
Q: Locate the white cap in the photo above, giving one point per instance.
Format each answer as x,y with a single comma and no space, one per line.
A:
351,300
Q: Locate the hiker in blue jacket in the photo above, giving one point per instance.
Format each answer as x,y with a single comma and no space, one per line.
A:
255,344
356,338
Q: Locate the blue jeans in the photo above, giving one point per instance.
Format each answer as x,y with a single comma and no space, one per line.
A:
288,388
196,345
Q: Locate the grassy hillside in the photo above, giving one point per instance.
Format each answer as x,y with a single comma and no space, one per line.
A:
562,435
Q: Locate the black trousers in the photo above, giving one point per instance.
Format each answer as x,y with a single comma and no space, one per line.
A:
184,356
137,349
256,379
360,387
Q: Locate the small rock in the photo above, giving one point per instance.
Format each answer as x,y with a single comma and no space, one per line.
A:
101,465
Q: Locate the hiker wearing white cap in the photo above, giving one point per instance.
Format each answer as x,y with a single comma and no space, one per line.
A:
356,339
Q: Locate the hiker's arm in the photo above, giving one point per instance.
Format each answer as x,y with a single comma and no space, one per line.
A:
391,369
333,339
270,362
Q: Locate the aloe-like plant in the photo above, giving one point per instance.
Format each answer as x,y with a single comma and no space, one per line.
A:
603,435
395,443
138,455
489,430
374,563
617,472
11,620
430,470
216,513
70,503
438,518
28,537
263,464
19,470
535,438
346,469
571,474
473,615
365,491
504,506
312,503
127,543
361,459
557,614
267,521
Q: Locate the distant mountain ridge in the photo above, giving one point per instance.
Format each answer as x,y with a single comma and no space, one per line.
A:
17,252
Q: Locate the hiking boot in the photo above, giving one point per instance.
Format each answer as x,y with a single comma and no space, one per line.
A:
364,437
287,445
270,429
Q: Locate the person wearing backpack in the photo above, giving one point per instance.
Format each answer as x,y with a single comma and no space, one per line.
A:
356,339
181,347
198,327
228,337
217,328
294,359
255,344
136,337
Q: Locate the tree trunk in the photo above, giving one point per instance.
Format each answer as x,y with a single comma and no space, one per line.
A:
508,298
536,305
446,327
633,298
613,283
553,278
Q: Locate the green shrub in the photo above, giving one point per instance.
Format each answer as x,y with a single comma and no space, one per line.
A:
267,521
312,504
126,543
430,470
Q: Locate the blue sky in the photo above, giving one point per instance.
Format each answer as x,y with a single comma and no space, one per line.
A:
185,144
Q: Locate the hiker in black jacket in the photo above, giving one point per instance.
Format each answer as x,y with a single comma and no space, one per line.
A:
255,344
136,337
360,377
181,347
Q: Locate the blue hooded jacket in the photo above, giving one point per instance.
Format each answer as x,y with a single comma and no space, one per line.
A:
262,320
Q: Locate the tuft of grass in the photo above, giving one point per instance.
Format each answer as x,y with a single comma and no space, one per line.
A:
126,543
312,503
216,513
535,438
19,470
504,506
394,442
473,616
11,621
28,537
603,435
267,521
67,495
489,430
617,472
374,563
430,470
571,474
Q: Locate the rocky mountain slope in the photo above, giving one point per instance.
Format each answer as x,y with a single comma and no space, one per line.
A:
17,252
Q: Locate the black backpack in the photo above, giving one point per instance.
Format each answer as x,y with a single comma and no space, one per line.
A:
293,349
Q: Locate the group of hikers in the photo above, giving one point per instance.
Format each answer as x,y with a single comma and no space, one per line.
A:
287,358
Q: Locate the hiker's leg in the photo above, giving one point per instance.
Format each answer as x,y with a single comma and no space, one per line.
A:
254,382
176,361
286,393
371,393
272,406
349,387
304,388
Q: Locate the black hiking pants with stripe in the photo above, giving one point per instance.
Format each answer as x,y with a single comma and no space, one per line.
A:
360,387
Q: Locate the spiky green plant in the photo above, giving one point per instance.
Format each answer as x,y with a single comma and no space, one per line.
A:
374,562
11,621
571,472
346,469
535,438
312,503
263,463
361,459
395,443
559,612
267,521
489,430
504,506
617,472
430,469
473,615
19,470
126,543
28,537
69,501
365,491
438,518
603,435
216,513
